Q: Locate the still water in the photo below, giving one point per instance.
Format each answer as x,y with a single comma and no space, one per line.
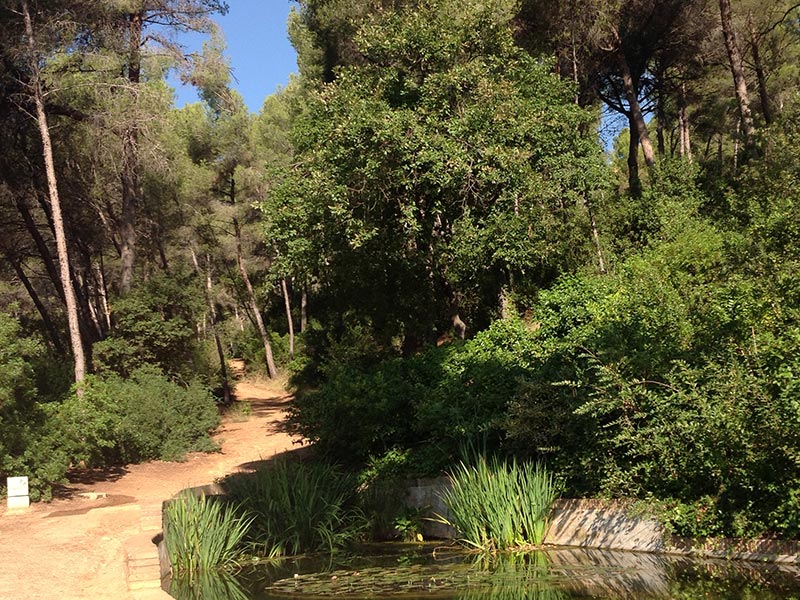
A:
402,571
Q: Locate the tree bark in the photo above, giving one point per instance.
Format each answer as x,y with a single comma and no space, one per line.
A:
737,70
601,263
634,183
262,330
58,221
683,124
761,77
285,290
41,245
303,308
227,397
632,95
130,162
37,302
103,291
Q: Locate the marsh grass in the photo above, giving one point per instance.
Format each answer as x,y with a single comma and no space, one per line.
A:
203,533
299,507
496,505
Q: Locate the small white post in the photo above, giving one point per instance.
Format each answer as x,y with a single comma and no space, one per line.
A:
18,492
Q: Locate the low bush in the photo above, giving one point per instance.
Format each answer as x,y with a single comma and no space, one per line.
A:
146,416
29,440
431,403
155,324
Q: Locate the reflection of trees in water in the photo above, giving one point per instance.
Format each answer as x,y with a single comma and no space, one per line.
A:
207,585
553,574
718,578
516,576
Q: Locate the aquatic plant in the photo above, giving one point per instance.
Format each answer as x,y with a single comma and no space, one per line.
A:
495,505
203,533
299,507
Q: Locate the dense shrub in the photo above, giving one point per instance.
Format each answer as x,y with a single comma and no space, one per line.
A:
155,324
29,444
434,402
671,378
143,417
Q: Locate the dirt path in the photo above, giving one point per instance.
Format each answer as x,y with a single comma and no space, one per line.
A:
76,546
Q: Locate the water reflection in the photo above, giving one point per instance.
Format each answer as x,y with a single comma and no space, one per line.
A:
211,585
394,571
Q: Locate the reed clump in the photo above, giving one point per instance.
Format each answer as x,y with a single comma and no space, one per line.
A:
299,507
203,533
498,505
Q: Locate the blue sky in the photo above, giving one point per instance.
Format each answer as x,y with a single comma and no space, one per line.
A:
260,54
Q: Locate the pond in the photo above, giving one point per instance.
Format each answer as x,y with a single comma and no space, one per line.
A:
401,571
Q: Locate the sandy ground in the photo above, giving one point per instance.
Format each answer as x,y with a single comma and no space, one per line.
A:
73,547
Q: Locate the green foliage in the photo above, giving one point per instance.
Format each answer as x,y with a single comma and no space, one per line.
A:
444,164
499,506
29,441
298,507
431,403
155,324
144,417
202,533
249,346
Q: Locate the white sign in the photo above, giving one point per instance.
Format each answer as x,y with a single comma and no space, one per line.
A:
18,492
17,486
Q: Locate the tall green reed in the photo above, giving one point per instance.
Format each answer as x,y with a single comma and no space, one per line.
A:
203,533
299,507
496,505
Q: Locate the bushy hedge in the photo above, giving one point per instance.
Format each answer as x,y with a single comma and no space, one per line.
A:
29,443
116,420
673,378
143,417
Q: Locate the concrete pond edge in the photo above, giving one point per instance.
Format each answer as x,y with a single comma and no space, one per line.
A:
587,524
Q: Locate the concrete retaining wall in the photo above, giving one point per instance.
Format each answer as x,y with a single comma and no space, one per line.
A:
606,525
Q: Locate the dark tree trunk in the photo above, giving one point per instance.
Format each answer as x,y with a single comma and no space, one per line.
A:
130,163
41,245
636,116
760,75
37,302
634,183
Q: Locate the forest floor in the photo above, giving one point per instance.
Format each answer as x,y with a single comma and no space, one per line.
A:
76,546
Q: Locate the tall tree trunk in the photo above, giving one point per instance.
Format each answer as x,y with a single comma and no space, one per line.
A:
37,302
130,161
761,78
227,397
683,124
661,118
601,263
303,308
262,330
285,290
740,83
632,95
102,290
58,221
41,245
634,183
